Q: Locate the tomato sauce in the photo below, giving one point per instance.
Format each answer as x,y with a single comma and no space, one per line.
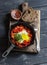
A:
17,14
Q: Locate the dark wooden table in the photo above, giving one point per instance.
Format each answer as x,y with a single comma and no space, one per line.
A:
15,58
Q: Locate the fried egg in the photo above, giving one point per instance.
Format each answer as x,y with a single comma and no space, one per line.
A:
24,35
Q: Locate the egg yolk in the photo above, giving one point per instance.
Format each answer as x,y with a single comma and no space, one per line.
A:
25,37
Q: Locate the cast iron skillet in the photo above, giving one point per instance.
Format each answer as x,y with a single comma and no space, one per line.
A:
13,45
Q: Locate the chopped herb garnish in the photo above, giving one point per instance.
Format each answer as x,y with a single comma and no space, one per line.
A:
18,37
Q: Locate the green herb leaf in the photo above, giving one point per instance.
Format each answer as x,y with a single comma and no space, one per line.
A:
18,37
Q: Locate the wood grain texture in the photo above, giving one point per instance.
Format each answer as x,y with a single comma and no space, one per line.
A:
18,58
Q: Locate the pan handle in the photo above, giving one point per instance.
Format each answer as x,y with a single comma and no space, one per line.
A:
8,50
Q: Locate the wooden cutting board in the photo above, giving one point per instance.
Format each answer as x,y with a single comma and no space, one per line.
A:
36,46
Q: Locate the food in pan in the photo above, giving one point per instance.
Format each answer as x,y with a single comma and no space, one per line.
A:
21,36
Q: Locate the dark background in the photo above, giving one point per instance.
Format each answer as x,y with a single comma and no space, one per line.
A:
15,58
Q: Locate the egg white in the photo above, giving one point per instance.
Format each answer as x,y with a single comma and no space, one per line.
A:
22,32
